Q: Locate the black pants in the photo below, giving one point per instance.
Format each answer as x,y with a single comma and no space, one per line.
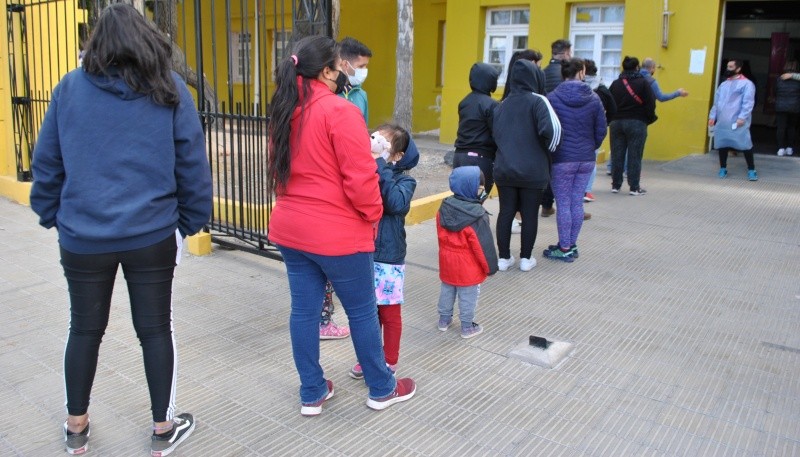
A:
748,157
486,164
90,277
526,201
787,129
548,199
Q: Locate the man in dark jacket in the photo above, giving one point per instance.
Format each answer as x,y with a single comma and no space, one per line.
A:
561,50
527,131
474,142
636,109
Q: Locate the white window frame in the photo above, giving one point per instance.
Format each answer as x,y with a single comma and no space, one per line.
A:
599,30
507,31
280,38
240,53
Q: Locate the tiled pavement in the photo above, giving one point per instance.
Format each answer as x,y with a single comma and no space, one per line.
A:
684,309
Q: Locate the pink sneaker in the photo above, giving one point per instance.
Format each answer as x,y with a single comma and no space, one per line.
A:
331,331
357,373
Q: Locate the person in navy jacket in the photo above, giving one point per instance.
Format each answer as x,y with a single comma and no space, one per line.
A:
120,170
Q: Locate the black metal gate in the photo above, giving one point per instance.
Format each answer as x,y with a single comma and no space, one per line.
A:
225,50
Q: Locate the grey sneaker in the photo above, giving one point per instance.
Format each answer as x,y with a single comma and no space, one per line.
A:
77,443
163,445
444,323
472,330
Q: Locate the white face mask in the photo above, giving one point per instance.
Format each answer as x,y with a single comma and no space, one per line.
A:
358,78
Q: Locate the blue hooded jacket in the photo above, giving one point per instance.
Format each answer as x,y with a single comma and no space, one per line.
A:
583,121
113,171
397,189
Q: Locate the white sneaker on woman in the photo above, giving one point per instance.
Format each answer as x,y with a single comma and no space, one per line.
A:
505,264
527,264
789,151
781,152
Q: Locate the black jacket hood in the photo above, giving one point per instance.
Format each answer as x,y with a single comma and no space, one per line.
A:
456,213
524,77
483,78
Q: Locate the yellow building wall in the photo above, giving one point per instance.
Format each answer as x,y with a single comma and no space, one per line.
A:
374,23
52,51
681,128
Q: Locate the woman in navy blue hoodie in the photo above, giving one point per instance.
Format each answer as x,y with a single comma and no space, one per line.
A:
583,124
119,169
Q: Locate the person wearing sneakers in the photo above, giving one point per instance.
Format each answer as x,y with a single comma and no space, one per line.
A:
396,154
126,124
636,109
466,249
527,131
787,109
583,123
731,115
320,169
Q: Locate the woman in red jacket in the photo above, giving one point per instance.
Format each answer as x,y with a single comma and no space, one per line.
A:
326,213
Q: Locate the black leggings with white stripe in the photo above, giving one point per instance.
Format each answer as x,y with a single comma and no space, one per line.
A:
90,277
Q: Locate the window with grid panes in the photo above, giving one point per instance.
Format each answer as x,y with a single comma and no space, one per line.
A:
240,53
506,32
596,33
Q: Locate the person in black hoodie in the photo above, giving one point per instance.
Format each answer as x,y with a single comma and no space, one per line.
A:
636,109
474,142
527,131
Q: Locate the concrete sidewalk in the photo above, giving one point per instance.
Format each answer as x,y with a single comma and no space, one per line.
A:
684,310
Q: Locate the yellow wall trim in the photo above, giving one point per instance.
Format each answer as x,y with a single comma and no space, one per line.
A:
20,192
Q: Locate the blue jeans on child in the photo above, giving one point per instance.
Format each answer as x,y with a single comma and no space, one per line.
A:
353,281
467,302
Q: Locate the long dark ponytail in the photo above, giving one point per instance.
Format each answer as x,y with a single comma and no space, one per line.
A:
125,43
309,57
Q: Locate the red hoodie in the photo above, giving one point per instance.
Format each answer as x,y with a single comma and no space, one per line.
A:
331,204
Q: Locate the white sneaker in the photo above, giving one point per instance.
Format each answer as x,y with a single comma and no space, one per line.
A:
527,264
781,152
505,264
516,227
789,151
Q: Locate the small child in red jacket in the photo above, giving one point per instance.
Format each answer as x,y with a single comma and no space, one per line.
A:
466,249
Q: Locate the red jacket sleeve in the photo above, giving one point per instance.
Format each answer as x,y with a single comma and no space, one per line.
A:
350,140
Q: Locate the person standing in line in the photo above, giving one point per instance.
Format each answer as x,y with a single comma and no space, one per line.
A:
648,70
636,109
527,131
583,123
474,142
535,57
395,155
320,169
731,115
609,106
126,124
466,249
787,109
355,58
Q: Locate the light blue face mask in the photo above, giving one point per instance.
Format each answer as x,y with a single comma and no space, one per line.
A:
359,77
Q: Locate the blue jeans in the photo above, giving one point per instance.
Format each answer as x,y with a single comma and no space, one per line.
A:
353,281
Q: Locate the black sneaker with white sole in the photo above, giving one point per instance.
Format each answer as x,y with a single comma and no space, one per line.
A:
637,192
163,445
76,443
